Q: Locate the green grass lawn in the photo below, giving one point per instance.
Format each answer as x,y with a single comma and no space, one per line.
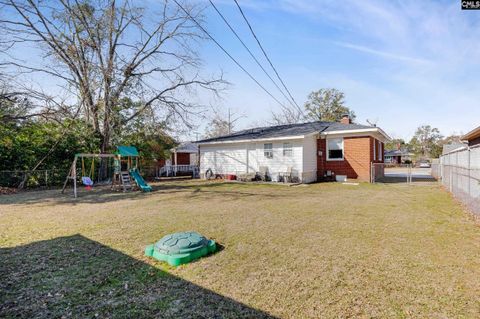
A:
316,251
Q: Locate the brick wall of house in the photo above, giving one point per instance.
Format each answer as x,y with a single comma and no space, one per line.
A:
358,154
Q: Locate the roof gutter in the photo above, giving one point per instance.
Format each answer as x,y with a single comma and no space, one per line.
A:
296,137
364,130
471,135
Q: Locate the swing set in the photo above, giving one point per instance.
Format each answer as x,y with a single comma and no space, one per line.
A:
125,172
87,180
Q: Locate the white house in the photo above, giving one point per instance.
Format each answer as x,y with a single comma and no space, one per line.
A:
311,151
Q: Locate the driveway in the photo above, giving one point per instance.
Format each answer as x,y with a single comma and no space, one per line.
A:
403,172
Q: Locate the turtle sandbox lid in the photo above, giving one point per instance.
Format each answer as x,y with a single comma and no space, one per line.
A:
180,248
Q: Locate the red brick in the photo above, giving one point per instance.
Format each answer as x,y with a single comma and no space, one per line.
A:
358,156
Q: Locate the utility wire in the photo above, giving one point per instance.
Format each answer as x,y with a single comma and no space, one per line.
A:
250,52
266,56
226,52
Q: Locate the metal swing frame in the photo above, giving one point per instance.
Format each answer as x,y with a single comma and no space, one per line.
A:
72,175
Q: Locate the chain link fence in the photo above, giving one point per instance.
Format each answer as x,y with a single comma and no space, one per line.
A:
436,173
149,172
401,173
459,172
51,178
36,179
391,173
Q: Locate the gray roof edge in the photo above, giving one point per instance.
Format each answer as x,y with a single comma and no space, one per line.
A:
286,130
186,147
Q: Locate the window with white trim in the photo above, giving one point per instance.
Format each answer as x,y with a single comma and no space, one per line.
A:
335,149
287,149
268,150
374,149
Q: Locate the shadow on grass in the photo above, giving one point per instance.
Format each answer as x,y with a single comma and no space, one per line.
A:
75,277
103,194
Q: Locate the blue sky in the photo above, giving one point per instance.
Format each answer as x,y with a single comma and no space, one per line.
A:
400,63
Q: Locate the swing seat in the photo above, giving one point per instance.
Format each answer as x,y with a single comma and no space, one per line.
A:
87,181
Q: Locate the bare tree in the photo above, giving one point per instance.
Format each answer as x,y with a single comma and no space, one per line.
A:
101,51
287,115
221,124
218,126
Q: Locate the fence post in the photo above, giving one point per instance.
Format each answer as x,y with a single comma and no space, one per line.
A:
74,175
456,172
441,168
372,174
451,177
411,173
469,171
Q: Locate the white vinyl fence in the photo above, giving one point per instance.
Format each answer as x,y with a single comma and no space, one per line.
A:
459,172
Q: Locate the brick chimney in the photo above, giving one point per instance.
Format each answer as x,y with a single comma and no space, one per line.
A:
346,119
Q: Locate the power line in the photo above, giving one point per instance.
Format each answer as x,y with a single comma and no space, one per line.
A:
250,52
226,52
265,54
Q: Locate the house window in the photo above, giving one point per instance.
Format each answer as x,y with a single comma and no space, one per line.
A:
287,149
374,149
335,149
380,152
268,150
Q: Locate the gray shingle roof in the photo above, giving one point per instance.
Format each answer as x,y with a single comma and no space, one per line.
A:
187,147
285,130
402,152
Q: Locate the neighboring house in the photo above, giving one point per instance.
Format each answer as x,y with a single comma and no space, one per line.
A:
398,156
184,154
310,151
472,137
183,161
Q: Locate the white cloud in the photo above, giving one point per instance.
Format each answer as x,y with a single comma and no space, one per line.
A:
383,53
429,55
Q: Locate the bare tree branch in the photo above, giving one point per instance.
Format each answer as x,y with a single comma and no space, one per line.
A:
103,51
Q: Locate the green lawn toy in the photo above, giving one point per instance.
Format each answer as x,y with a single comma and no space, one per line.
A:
181,248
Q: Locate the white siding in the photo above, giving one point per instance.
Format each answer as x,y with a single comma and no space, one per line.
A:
252,158
223,158
238,158
309,159
280,163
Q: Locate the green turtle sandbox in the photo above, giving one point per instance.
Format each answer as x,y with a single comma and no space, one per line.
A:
181,248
